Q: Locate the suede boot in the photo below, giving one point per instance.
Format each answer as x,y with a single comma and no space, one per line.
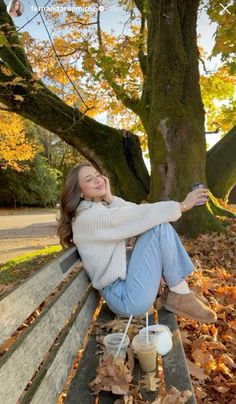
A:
189,306
202,298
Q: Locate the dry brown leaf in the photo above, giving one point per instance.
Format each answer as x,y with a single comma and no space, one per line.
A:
200,393
185,337
205,360
112,375
221,389
119,325
196,371
150,382
213,345
227,361
173,396
130,361
133,397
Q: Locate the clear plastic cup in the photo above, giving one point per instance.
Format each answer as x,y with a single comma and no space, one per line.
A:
112,343
146,353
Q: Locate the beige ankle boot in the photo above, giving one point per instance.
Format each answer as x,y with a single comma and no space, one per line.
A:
202,298
189,306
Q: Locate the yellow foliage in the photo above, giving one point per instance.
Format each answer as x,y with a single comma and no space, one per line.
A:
6,70
19,98
14,147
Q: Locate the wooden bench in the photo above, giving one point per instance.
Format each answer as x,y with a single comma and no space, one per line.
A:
43,322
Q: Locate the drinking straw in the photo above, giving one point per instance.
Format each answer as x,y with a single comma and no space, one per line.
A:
147,327
122,340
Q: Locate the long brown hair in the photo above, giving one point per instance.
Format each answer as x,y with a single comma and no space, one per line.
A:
69,201
12,7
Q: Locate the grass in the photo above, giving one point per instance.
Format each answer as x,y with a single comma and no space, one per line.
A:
22,266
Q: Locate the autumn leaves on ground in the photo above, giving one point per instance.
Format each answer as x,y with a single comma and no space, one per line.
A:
210,349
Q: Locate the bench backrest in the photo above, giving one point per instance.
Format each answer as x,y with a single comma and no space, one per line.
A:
60,301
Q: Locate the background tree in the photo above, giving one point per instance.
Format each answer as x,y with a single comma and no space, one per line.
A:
35,186
167,101
15,148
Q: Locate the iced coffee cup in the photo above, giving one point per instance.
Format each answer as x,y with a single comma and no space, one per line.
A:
164,337
146,352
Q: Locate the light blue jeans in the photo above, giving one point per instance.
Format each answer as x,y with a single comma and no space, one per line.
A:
157,253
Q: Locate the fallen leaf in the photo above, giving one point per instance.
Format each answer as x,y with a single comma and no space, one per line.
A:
227,361
112,375
204,359
130,361
185,337
150,382
196,371
221,389
200,393
173,396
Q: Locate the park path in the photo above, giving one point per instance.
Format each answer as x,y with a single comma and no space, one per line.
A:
22,231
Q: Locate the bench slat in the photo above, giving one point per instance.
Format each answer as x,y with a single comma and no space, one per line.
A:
79,391
49,383
19,364
174,363
24,299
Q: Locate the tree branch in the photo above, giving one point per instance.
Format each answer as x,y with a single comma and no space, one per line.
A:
131,103
8,29
11,59
140,6
203,65
141,56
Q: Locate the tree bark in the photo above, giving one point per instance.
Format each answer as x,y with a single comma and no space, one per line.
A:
175,123
221,165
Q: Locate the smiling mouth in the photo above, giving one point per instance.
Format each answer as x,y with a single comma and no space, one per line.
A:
100,187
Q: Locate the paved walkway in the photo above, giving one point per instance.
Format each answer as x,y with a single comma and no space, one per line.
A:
25,231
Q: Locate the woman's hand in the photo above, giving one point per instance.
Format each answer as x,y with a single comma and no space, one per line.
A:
196,196
108,197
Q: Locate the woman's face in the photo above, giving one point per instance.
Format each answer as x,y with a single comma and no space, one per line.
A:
92,184
17,6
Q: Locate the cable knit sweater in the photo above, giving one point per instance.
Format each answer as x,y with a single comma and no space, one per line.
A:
101,231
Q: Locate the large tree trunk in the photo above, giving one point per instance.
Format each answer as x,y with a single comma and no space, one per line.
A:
176,120
221,165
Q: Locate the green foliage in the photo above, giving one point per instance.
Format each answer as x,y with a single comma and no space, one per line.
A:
225,36
217,92
37,186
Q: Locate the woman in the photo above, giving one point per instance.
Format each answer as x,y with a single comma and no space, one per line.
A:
100,224
15,8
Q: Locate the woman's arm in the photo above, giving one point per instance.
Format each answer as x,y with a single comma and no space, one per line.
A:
118,223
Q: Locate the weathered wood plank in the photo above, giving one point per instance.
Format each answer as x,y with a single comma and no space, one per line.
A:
79,391
49,383
19,364
174,363
25,298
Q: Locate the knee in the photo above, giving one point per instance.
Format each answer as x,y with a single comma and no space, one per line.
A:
138,309
163,227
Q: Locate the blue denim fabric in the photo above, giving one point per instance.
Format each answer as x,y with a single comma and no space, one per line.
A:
157,253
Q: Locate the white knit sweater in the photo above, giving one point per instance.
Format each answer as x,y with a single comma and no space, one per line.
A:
100,233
